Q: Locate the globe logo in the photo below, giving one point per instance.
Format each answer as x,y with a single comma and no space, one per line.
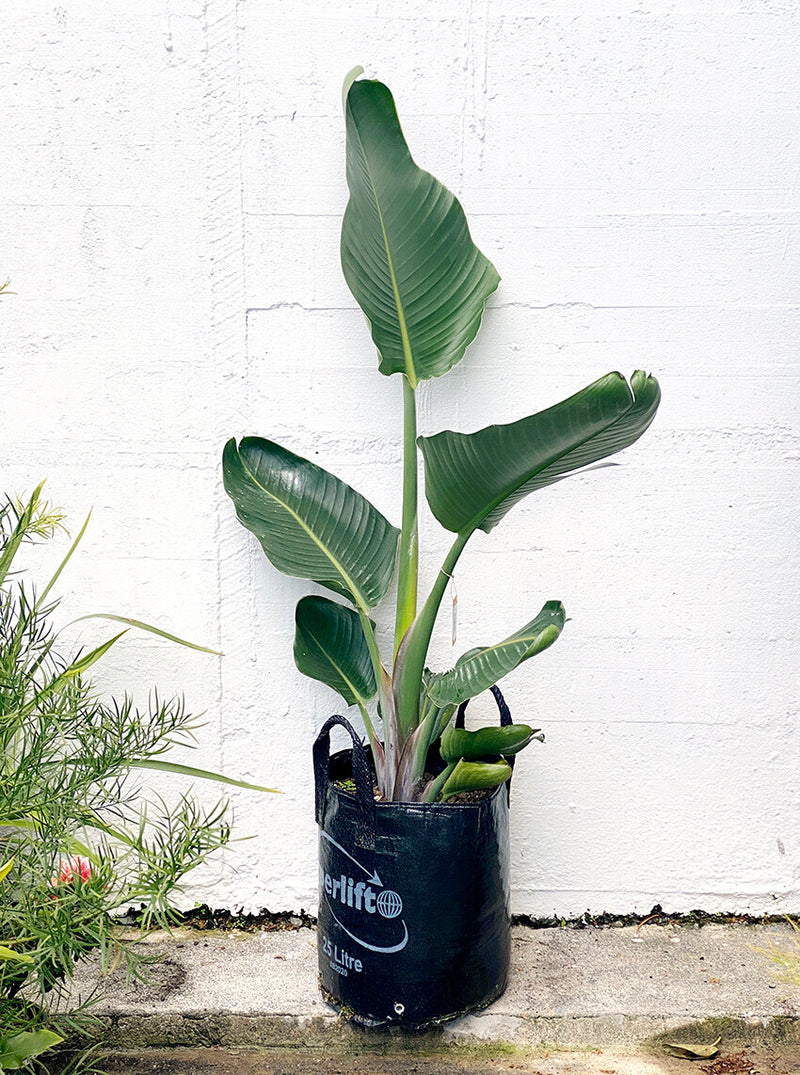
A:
389,903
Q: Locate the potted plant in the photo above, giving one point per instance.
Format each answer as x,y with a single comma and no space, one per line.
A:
414,920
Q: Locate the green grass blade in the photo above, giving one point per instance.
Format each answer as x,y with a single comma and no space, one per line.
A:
141,626
198,774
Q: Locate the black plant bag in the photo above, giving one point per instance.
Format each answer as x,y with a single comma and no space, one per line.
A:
413,924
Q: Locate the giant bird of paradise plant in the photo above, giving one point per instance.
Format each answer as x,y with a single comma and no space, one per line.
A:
408,258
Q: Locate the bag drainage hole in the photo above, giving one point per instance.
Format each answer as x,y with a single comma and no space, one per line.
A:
399,1008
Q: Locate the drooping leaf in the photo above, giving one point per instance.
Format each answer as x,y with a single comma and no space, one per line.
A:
474,775
310,524
486,742
329,645
407,254
473,479
482,667
6,868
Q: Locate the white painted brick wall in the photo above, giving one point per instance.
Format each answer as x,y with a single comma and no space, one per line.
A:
172,186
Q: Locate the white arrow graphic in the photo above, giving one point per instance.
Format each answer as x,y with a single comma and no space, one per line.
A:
373,947
374,879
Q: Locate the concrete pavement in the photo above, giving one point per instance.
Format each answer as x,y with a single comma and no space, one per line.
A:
623,988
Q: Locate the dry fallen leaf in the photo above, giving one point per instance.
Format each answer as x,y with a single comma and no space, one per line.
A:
691,1051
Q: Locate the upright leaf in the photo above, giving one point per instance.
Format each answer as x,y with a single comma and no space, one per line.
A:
24,522
59,682
329,645
407,254
310,524
482,667
473,479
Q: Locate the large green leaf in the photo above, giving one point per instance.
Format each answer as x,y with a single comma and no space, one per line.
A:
473,479
407,254
329,645
310,524
482,667
15,1051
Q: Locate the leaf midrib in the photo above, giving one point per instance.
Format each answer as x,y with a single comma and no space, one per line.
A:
355,692
486,651
460,671
477,519
507,643
408,357
359,598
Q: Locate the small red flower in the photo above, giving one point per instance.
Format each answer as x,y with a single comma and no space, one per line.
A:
75,869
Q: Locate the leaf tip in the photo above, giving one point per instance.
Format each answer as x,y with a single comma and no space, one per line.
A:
349,79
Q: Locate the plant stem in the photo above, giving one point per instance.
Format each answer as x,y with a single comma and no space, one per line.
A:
387,708
374,653
431,792
431,726
378,755
368,726
415,648
409,541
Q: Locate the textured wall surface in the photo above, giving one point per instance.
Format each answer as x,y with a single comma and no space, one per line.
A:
172,186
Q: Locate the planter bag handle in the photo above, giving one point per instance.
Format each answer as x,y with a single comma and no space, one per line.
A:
505,720
505,712
362,776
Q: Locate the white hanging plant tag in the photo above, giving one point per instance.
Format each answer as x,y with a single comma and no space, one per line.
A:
454,612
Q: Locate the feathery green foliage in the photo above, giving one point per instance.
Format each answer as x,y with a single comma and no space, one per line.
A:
77,840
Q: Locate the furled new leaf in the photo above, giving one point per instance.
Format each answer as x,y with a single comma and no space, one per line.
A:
473,775
310,524
329,645
407,254
473,479
482,667
486,742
